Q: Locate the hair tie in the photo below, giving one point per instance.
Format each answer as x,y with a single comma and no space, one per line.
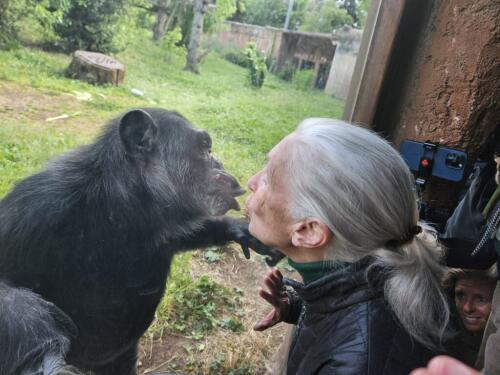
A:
417,229
411,235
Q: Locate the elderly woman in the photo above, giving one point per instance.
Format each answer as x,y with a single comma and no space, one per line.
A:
339,202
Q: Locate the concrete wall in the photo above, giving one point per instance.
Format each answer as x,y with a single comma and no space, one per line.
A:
238,35
341,71
314,47
283,46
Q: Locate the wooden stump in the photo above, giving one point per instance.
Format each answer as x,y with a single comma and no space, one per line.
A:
96,68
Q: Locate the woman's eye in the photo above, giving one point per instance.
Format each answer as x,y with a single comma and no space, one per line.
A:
459,296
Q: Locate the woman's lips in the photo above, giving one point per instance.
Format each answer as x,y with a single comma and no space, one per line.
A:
474,319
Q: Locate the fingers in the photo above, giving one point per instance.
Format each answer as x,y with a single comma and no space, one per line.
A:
274,275
272,299
443,365
267,322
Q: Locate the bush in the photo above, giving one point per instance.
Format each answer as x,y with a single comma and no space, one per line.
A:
237,57
91,25
172,43
303,79
257,66
287,71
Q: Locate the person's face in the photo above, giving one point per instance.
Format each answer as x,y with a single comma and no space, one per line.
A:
269,199
473,301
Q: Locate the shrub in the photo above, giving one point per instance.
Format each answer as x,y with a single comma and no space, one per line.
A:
257,66
237,57
303,79
287,71
172,43
91,25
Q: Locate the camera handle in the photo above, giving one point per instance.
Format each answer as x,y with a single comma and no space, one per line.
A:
423,174
425,164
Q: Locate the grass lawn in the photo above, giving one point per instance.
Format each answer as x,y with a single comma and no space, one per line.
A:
42,114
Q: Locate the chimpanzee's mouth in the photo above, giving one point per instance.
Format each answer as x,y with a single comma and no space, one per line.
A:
234,203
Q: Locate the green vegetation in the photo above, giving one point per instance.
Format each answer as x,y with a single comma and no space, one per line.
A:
257,65
303,79
195,308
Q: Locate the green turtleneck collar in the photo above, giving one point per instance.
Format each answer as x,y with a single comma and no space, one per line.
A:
313,271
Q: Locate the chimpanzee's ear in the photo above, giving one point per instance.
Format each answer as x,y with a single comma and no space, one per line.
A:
138,132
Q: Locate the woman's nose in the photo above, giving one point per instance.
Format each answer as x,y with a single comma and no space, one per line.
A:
252,182
469,306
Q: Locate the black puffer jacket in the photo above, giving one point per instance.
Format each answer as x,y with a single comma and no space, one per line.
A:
345,327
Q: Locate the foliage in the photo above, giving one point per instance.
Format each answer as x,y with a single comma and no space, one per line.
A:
237,57
212,255
196,307
307,15
7,30
303,79
271,13
218,14
287,71
91,25
172,43
257,68
324,16
357,9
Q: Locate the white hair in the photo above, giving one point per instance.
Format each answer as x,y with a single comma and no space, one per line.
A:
357,184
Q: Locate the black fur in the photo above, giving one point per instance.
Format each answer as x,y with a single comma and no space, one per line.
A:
95,232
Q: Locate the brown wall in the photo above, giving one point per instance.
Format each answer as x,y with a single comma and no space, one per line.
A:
454,95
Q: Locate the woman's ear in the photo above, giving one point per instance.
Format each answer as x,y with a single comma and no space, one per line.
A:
311,233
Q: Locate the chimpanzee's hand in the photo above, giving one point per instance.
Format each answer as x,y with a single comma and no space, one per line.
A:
277,296
238,232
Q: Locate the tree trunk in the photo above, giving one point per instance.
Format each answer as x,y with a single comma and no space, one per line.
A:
159,28
200,7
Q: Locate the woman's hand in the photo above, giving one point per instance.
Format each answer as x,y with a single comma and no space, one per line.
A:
277,296
443,365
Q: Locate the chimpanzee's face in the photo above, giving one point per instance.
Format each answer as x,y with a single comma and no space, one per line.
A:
218,189
184,155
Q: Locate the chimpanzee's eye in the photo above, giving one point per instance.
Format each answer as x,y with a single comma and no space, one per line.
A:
204,141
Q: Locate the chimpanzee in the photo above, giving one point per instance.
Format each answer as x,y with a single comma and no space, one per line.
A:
34,334
95,232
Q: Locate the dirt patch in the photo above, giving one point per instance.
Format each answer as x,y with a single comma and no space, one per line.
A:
20,103
178,353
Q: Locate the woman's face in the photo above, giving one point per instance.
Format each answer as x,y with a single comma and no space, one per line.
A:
473,301
267,205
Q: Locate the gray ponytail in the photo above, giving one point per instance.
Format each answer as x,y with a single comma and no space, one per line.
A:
356,183
413,287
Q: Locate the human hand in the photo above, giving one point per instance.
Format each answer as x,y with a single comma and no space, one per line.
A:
276,295
443,365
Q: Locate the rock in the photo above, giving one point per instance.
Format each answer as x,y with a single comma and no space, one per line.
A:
96,68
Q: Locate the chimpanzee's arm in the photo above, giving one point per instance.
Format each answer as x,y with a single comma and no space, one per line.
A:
219,231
